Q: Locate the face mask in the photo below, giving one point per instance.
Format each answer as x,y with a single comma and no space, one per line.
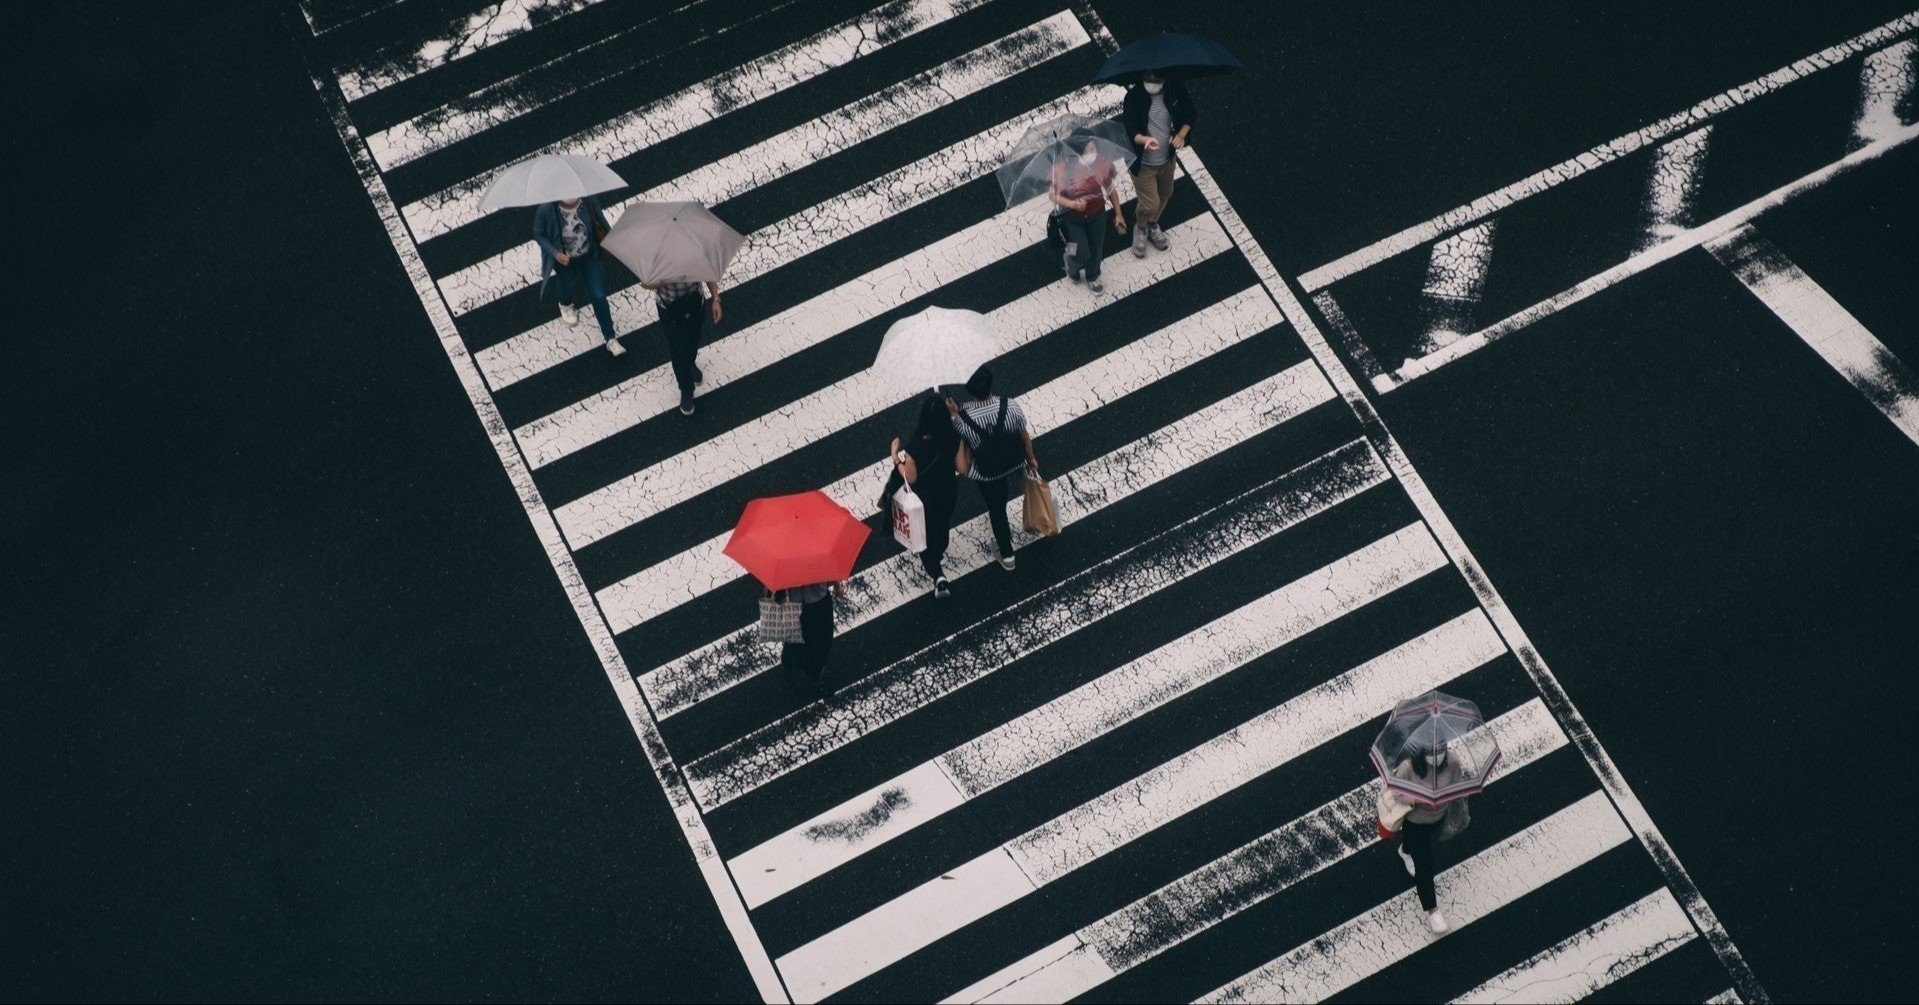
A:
1152,88
1088,159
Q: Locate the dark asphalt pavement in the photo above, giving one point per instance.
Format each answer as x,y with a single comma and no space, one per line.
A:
297,709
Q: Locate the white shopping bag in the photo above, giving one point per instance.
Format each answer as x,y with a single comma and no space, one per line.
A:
909,520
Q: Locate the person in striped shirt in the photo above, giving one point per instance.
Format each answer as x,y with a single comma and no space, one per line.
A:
681,308
998,452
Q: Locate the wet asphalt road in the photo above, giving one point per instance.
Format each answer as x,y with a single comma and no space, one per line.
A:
299,713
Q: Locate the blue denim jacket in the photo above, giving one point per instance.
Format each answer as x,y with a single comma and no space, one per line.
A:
546,233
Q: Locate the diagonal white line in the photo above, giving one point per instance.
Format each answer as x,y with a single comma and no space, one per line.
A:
805,232
754,80
837,406
773,158
487,27
1594,957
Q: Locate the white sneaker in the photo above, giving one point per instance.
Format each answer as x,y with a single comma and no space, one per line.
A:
613,346
1006,563
1408,859
570,315
1436,921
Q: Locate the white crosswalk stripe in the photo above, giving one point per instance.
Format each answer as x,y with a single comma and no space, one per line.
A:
855,844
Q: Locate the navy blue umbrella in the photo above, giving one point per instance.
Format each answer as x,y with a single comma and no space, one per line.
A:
1168,55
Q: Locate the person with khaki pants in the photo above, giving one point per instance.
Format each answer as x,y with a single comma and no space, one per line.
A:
1158,114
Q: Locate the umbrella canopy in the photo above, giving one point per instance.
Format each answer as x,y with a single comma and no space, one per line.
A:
549,178
934,347
1027,170
1436,748
673,242
795,540
1169,55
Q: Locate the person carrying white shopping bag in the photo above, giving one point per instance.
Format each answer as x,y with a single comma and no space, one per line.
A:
923,488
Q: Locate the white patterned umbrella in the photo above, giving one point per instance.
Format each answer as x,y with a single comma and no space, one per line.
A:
934,347
549,178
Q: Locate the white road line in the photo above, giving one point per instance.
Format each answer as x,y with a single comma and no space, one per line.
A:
1686,241
830,409
1565,171
744,170
1099,706
1356,348
1726,997
1624,799
692,824
313,19
982,648
1594,958
1469,891
528,91
1248,875
958,897
1081,493
699,570
1886,79
1824,324
634,131
801,234
483,29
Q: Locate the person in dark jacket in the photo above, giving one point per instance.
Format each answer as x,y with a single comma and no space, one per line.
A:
807,659
1158,114
569,234
927,461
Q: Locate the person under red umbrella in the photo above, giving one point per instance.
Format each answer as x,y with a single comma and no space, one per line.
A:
804,545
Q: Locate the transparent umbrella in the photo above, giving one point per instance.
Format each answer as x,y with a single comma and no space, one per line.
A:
1435,749
1027,170
934,347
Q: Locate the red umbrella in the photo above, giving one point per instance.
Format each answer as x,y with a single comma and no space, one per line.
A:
788,541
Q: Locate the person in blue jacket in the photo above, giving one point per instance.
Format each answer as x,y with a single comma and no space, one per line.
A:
569,235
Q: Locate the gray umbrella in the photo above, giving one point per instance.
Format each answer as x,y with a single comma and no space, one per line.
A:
673,242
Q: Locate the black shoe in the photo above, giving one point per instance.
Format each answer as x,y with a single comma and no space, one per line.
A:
699,377
686,402
940,590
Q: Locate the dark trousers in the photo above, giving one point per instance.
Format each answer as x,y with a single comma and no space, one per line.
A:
995,494
816,628
1089,240
939,530
1417,840
681,320
585,277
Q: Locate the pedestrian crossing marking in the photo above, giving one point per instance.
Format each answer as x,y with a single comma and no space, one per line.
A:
1592,958
886,928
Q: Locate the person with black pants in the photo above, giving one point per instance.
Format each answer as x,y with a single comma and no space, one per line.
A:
807,658
681,307
927,461
995,435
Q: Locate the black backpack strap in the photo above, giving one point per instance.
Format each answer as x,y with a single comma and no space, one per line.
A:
1000,425
970,424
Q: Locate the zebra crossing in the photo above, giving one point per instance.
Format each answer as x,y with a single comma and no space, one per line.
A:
1133,768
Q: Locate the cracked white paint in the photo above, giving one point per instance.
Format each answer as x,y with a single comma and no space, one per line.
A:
754,80
1094,708
1673,187
830,409
1885,81
1079,494
486,27
1469,891
1456,282
1248,875
1131,367
319,23
1565,171
1060,610
1726,997
903,925
525,92
769,160
1593,958
807,231
1824,324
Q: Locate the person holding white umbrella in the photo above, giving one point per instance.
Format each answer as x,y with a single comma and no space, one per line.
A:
568,226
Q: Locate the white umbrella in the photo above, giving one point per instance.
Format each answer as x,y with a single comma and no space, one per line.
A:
549,178
673,242
934,347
